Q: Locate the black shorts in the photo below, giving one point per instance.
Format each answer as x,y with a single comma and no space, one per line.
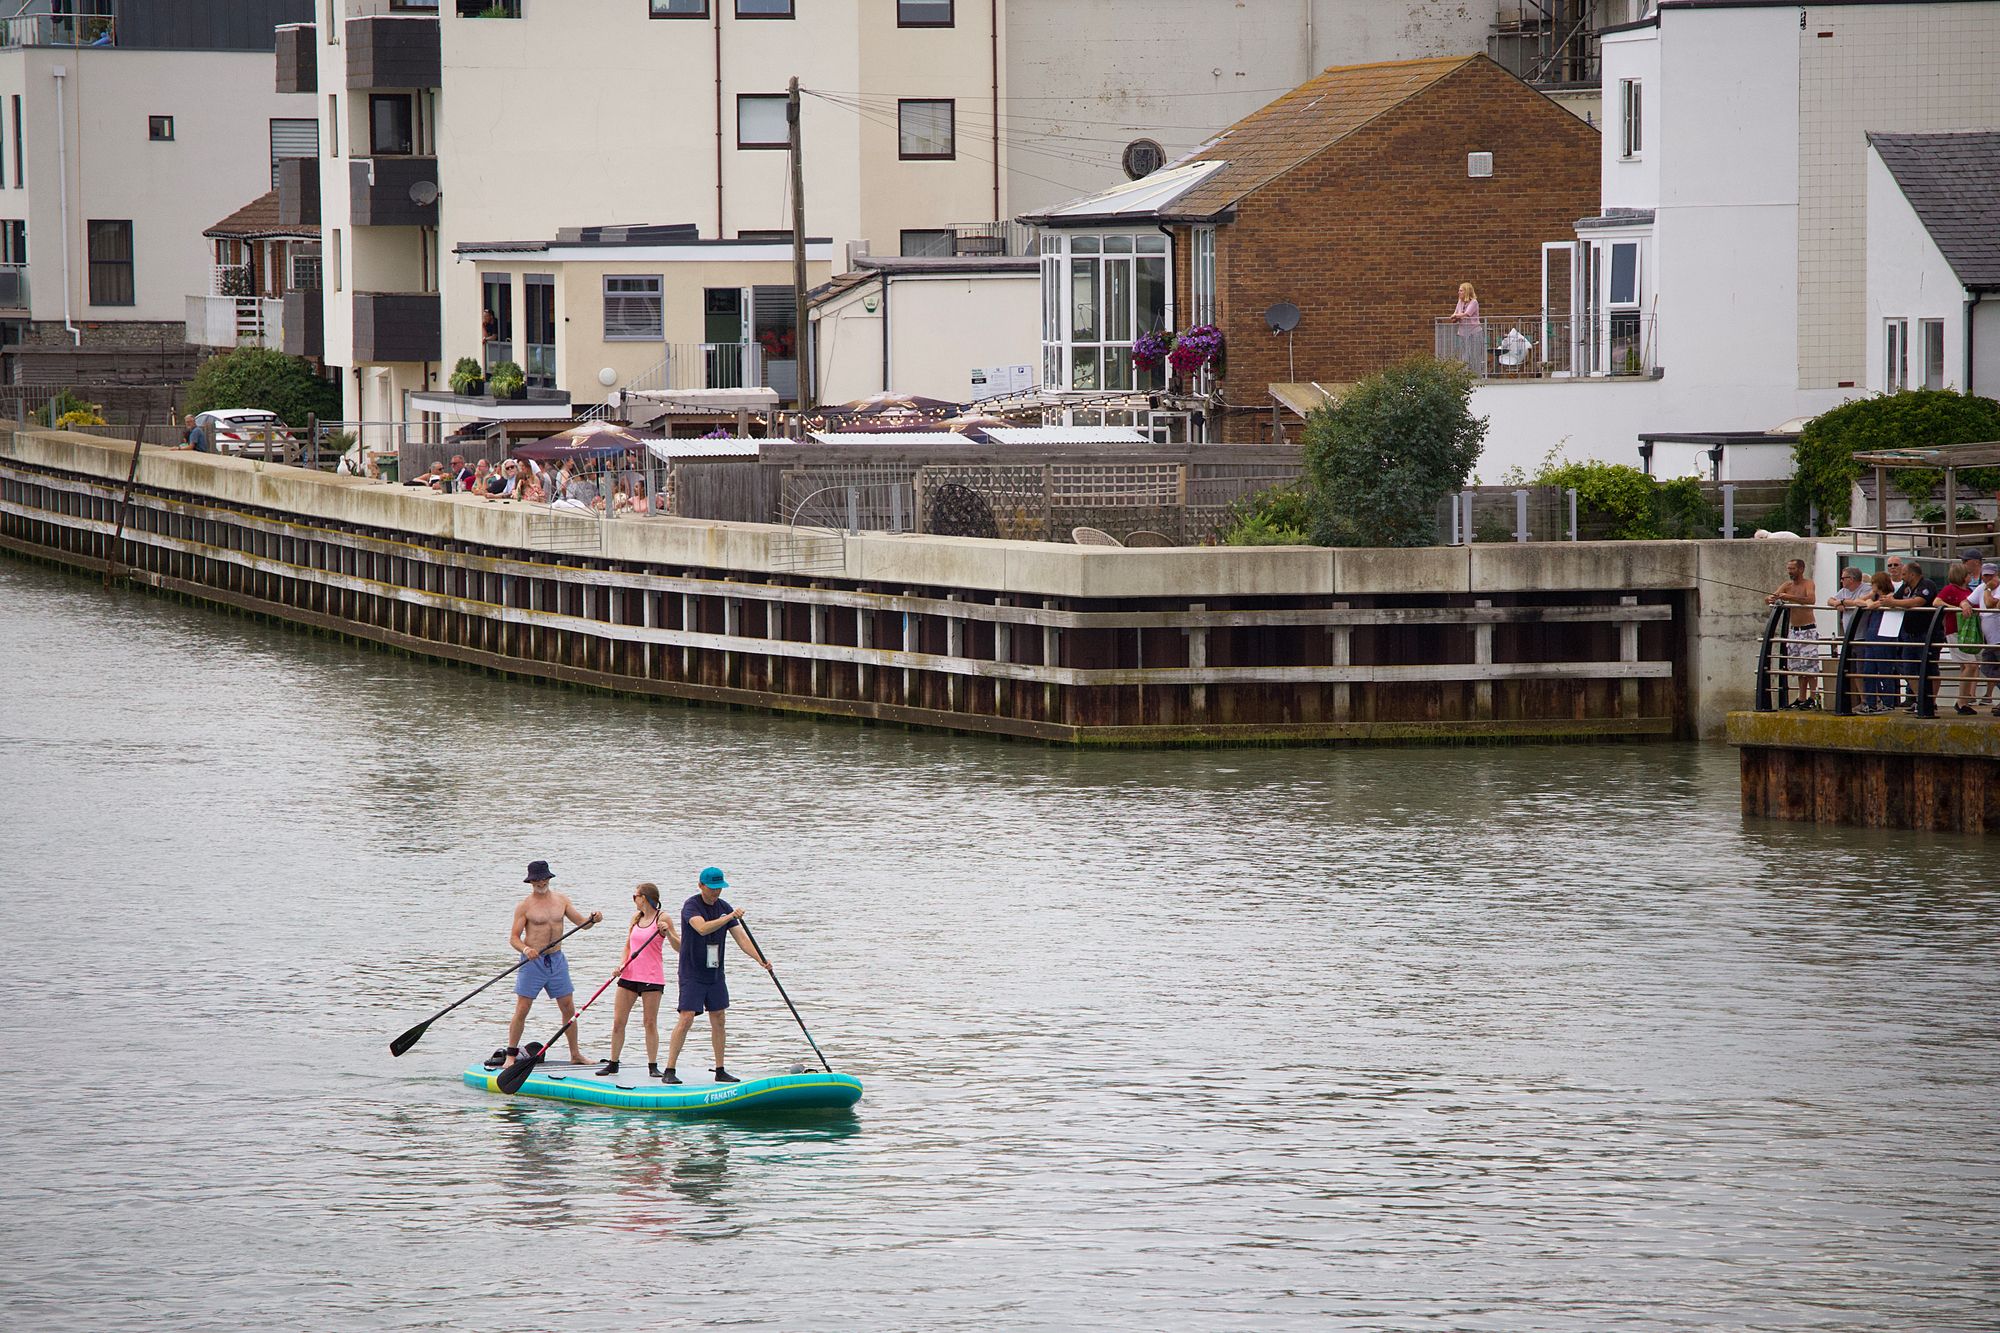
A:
639,987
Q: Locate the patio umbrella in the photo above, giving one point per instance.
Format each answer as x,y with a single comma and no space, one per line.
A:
590,439
892,405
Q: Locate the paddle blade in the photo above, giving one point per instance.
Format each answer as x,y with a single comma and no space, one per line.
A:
410,1038
514,1075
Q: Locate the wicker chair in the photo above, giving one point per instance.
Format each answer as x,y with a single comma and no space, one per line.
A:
1093,537
1148,537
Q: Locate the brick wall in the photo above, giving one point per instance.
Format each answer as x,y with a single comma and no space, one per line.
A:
1371,238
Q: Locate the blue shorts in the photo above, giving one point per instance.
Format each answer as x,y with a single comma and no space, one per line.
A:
703,997
549,973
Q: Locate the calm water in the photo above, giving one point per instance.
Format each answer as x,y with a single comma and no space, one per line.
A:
1522,1038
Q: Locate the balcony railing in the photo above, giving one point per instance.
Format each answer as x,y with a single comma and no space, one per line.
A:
61,27
1010,239
236,321
13,286
1506,347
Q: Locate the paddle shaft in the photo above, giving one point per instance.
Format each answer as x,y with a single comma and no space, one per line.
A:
418,1031
527,1064
781,994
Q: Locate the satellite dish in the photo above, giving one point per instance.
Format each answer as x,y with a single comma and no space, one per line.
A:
423,193
1282,317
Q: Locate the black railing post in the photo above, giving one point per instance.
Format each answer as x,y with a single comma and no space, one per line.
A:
1841,666
1779,613
1926,705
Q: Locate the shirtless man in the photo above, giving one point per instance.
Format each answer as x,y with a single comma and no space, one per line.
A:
1802,643
538,924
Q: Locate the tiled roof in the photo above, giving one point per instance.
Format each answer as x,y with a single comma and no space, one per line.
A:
1268,142
258,221
1953,183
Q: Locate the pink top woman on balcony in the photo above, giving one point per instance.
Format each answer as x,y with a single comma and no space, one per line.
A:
1466,314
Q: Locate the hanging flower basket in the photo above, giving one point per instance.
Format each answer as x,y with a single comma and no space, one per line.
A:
1195,349
1151,349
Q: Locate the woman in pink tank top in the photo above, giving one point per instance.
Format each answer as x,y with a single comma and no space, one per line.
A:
642,976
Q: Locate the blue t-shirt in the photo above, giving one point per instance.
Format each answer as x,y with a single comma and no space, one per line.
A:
695,945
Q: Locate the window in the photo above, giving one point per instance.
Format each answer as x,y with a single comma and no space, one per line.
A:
632,310
924,130
496,317
1142,158
1931,334
1203,275
334,256
763,9
390,124
18,158
1631,117
538,313
1624,290
1895,355
1098,294
305,275
923,13
292,138
760,121
680,9
330,25
160,129
110,262
13,242
927,243
333,124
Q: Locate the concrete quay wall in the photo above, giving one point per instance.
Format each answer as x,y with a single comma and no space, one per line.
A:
1056,642
1878,771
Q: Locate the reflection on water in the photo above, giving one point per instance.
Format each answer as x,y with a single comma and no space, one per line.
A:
1495,1038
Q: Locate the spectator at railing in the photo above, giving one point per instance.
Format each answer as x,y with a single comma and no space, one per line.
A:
1914,595
1985,599
1470,341
1957,588
1802,637
1876,647
1846,596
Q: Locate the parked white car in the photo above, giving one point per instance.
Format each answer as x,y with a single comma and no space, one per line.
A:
238,430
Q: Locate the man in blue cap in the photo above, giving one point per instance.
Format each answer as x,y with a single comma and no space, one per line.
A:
707,922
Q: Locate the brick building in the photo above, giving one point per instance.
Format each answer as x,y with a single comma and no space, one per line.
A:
1362,198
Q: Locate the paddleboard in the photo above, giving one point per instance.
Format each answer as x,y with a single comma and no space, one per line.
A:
634,1091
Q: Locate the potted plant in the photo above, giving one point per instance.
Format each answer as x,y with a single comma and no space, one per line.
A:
507,381
1194,349
467,379
1151,349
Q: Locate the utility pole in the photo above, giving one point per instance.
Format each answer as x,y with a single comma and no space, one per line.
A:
800,351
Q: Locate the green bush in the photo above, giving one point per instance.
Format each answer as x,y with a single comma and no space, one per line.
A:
66,409
1380,459
1617,493
1280,516
1825,470
1683,511
262,377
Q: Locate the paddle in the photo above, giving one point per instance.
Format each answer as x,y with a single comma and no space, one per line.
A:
416,1034
514,1075
781,993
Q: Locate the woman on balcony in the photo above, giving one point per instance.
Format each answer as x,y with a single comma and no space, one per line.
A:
1471,337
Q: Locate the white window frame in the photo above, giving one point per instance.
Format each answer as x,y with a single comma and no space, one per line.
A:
1111,342
1201,270
635,311
1631,119
1895,355
1934,376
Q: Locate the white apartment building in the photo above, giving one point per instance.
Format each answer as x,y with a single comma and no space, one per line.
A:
923,122
1722,285
126,129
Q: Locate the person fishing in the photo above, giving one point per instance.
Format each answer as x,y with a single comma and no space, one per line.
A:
536,936
707,922
642,976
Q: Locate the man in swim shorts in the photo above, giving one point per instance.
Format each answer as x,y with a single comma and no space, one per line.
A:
707,922
538,925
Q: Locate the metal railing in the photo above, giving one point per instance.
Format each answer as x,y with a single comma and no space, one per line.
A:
1863,671
231,280
59,28
733,365
13,286
231,321
1504,347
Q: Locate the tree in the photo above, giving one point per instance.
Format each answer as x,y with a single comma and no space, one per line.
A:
1379,460
1824,470
262,377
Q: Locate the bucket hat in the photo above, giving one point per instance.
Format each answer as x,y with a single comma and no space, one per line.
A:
537,870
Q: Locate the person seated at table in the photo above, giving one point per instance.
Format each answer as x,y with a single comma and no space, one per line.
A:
637,503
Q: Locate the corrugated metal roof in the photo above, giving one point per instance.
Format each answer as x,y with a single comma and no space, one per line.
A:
891,437
1065,435
670,451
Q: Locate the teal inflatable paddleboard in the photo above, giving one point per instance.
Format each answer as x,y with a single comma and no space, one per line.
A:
633,1091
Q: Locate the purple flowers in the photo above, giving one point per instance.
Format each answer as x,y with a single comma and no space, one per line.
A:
1151,349
1194,349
